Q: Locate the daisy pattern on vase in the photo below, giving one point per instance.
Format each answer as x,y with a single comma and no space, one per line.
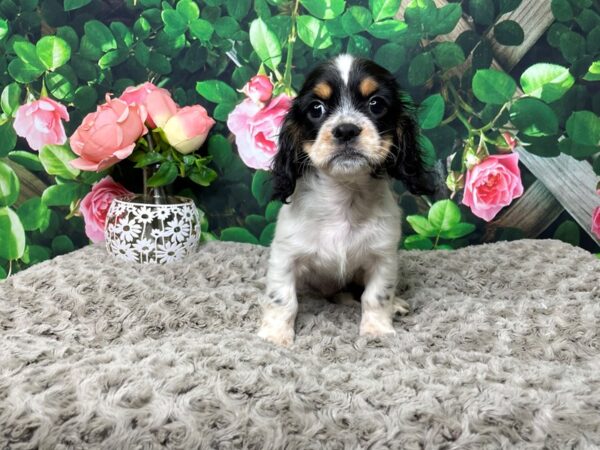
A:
151,233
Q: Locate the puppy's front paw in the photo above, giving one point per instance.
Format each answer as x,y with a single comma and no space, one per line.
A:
278,334
376,324
401,307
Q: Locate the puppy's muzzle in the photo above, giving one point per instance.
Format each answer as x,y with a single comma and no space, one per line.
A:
346,132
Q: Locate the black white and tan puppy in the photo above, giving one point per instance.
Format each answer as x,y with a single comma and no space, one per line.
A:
346,135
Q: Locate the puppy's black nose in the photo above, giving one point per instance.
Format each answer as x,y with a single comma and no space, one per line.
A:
345,132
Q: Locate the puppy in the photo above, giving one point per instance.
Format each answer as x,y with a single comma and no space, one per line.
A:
347,133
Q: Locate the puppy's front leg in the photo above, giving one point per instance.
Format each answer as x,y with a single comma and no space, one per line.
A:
280,304
378,297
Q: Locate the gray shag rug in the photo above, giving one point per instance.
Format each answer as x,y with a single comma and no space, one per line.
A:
501,350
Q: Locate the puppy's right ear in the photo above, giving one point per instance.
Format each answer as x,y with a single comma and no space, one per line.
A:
285,167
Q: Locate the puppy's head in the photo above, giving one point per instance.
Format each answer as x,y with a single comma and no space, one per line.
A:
349,118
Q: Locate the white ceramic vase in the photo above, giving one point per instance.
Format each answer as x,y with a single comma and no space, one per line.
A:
139,230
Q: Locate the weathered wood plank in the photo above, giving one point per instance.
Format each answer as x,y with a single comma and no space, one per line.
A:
532,213
534,17
31,186
572,182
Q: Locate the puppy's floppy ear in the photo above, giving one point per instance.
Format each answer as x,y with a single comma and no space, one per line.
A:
407,162
285,167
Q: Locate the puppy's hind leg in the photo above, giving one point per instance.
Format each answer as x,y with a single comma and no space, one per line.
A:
280,305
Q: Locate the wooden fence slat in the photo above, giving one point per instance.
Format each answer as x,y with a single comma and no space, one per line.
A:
533,212
572,182
535,17
31,186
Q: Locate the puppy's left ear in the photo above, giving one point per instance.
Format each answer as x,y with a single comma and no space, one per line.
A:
406,157
285,167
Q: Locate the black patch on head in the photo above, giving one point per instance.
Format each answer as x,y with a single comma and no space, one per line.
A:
397,122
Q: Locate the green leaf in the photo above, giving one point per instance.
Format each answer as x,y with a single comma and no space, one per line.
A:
448,55
33,214
417,242
272,210
202,29
421,15
390,55
9,185
189,9
70,5
53,51
384,9
533,117
27,53
216,91
482,11
62,194
12,235
265,42
493,86
262,188
579,151
10,98
391,29
142,28
447,18
458,231
175,23
359,46
584,128
255,223
8,138
166,174
547,81
85,97
26,159
444,215
422,226
226,27
356,19
313,32
508,6
220,149
267,235
568,232
545,146
23,72
421,69
572,46
202,175
62,83
431,111
562,10
99,36
509,32
149,158
37,254
62,244
593,73
324,9
3,28
56,161
159,63
113,58
238,234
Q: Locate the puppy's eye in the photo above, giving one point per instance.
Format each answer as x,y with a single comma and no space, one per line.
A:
316,110
377,106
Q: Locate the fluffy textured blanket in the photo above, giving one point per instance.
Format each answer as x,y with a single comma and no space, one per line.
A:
502,349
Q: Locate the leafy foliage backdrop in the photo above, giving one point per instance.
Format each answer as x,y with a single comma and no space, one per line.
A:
77,51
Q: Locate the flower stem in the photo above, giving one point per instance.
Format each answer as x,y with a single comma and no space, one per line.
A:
287,75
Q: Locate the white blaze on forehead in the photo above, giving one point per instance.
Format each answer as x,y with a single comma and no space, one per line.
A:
344,64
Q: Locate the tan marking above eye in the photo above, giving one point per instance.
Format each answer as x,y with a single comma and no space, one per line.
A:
323,90
368,86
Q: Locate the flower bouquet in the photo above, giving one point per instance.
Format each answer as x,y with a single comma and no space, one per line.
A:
147,127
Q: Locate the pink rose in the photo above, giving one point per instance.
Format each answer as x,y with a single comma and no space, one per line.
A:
39,122
108,135
95,204
256,129
596,222
186,131
160,107
137,94
259,89
492,185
